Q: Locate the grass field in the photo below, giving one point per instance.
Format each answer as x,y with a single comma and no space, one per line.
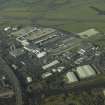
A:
68,15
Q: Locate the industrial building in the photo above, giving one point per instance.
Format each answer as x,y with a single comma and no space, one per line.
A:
85,71
71,77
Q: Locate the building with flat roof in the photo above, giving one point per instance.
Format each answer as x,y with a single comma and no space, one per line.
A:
53,63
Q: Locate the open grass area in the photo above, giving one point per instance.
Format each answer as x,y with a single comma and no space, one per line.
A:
68,15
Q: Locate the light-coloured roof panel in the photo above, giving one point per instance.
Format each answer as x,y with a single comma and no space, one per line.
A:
85,71
71,77
55,62
88,33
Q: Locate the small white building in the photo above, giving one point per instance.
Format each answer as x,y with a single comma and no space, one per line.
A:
7,28
47,74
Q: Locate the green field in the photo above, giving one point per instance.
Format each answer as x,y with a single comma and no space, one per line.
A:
68,15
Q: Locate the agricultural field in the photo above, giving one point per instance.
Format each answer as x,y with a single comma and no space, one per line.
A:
68,15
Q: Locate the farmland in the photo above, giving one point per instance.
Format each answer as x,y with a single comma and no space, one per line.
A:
68,15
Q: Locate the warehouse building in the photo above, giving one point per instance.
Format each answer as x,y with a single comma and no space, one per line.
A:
85,71
71,77
53,63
